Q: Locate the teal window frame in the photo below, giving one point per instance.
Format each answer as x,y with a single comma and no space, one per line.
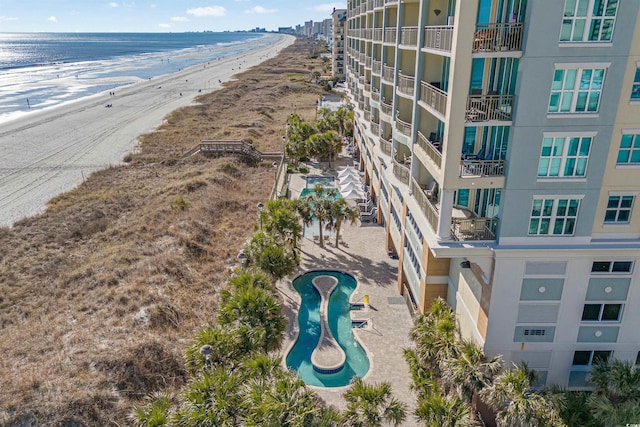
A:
619,209
629,151
635,89
564,156
553,217
588,20
576,90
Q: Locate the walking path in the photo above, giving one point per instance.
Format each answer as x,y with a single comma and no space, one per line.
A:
363,256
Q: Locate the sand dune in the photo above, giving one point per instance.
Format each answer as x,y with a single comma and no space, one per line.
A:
49,152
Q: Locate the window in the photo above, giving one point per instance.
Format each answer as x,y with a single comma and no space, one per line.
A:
534,332
576,90
629,149
612,267
588,20
588,358
553,216
564,156
618,209
635,90
602,312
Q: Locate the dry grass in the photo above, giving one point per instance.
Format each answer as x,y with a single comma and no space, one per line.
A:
100,295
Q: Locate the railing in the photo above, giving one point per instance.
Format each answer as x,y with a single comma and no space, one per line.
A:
367,62
474,228
361,105
401,172
409,36
432,151
434,97
232,147
390,35
375,128
403,127
476,168
498,37
367,87
406,84
378,3
362,57
428,208
483,108
386,108
376,67
387,73
438,38
375,95
377,34
367,115
390,1
385,146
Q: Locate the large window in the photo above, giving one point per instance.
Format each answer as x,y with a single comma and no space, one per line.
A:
553,216
576,90
629,151
564,156
602,312
588,20
612,267
588,358
618,209
635,90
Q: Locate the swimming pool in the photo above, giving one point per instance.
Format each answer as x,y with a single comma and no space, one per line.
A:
325,181
340,325
312,229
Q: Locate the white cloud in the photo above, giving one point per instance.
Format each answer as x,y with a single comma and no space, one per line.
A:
260,10
113,4
153,6
8,18
180,19
53,19
164,25
207,11
327,7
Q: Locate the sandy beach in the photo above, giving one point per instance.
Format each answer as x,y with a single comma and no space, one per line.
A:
49,152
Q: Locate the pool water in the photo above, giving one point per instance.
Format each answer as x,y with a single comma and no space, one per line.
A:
299,357
312,229
325,181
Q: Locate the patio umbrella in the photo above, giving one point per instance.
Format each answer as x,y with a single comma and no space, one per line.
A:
346,171
348,179
352,194
349,187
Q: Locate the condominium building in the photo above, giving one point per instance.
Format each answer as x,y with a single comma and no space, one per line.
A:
501,143
338,18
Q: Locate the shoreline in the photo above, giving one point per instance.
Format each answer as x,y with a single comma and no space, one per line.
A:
52,151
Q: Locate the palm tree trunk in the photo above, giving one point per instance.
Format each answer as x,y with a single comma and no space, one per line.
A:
321,236
338,223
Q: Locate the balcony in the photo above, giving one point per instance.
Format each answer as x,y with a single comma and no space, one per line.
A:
385,146
401,171
390,35
390,1
378,3
429,209
367,87
431,148
367,62
484,108
376,67
377,34
498,37
386,108
474,228
434,97
438,38
375,95
375,128
481,168
403,127
409,36
406,84
387,73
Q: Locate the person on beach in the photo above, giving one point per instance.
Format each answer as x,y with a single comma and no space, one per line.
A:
28,105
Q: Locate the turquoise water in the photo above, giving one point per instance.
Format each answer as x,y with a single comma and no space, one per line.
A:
299,358
325,181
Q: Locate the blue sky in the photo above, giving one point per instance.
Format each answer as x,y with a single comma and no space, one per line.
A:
158,15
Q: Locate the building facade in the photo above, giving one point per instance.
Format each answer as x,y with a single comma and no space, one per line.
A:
501,142
338,21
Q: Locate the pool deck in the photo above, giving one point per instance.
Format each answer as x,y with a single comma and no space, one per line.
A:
364,256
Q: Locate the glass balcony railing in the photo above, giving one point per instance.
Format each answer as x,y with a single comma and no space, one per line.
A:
438,38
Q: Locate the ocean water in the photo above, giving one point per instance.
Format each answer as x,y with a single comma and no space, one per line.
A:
42,70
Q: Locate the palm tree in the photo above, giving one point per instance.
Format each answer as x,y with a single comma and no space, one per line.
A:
327,120
616,395
438,410
283,221
228,345
251,278
511,394
154,412
318,205
340,211
468,371
269,254
372,405
574,408
344,117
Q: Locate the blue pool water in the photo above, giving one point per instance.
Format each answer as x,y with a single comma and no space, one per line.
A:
299,357
325,181
312,229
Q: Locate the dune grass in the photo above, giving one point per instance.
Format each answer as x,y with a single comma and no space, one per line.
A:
101,294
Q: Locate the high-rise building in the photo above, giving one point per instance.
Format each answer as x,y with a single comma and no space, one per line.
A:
338,18
501,143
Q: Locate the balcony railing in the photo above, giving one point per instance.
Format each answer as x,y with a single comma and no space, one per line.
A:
498,37
367,62
401,172
376,67
390,35
378,3
428,208
387,73
390,1
406,84
403,127
386,108
434,97
438,38
474,228
483,108
375,95
367,87
409,36
375,128
480,168
367,115
430,148
385,146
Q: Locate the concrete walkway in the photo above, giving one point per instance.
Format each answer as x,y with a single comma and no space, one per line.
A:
363,255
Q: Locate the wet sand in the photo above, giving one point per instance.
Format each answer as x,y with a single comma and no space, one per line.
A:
49,152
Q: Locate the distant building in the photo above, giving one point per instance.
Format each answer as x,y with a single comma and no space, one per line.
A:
286,30
327,30
338,19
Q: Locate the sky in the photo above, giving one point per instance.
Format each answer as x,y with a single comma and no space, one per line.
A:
159,15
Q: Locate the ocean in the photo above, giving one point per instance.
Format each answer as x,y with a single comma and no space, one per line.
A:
42,70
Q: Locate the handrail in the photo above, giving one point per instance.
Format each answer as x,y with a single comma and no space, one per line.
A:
403,127
482,108
438,37
409,36
434,97
476,168
376,67
386,108
474,228
428,208
406,84
432,151
387,73
390,35
498,36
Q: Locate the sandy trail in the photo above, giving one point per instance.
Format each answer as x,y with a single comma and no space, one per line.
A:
51,151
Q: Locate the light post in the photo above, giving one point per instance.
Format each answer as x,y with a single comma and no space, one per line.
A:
206,351
260,208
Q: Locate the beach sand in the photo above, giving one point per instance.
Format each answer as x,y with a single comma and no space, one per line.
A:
48,152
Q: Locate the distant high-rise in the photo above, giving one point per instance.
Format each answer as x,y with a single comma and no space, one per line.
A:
501,143
338,17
